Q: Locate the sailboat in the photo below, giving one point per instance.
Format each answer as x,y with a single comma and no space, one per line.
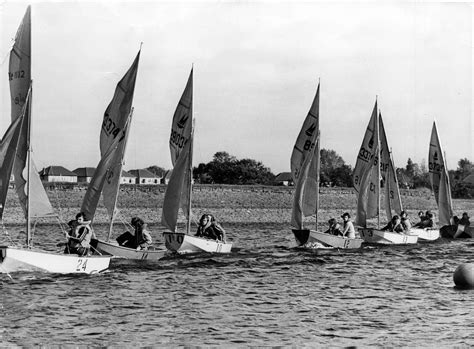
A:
439,178
305,168
106,179
370,177
16,157
179,190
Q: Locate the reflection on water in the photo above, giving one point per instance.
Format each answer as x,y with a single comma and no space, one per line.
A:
263,293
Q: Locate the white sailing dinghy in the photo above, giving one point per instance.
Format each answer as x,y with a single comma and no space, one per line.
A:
179,190
106,179
441,186
305,168
369,176
16,157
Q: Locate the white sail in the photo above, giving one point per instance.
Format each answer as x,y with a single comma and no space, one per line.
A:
178,190
366,174
305,165
389,183
440,178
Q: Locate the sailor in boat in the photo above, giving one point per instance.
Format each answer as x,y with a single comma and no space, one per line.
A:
395,225
209,229
79,236
405,221
334,227
348,230
427,221
140,240
422,217
458,228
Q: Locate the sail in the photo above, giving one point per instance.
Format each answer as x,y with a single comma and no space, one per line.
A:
305,164
440,178
367,152
176,195
366,174
113,126
8,147
388,182
19,70
182,121
96,185
38,201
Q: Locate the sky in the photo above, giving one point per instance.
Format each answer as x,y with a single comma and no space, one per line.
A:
256,69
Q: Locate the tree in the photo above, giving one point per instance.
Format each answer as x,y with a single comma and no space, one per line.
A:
342,176
159,171
226,169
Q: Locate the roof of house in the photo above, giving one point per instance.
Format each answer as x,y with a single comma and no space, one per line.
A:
127,174
143,173
57,171
283,176
84,171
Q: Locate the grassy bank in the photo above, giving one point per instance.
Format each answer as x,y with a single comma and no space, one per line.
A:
230,204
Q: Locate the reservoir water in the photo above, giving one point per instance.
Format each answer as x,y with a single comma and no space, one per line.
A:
264,293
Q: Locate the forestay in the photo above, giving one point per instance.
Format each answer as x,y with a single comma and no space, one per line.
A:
305,165
440,178
178,190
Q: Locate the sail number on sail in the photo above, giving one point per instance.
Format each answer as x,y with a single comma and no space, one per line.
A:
434,167
19,74
110,128
177,139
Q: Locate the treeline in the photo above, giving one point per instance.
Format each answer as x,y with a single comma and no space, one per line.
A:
227,169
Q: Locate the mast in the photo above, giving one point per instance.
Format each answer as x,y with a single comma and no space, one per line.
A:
377,125
128,123
28,166
396,179
190,169
318,152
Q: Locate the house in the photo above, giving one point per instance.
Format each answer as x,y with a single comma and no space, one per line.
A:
57,174
127,178
84,174
143,176
284,178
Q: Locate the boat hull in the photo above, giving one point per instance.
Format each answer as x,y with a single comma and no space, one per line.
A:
311,236
13,259
456,232
182,243
425,234
125,252
373,236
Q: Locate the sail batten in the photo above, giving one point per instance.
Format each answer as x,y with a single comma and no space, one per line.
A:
305,166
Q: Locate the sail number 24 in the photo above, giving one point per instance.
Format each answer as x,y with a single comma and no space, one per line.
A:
81,264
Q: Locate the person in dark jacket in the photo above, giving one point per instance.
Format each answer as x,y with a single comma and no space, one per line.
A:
140,240
79,236
395,225
209,229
